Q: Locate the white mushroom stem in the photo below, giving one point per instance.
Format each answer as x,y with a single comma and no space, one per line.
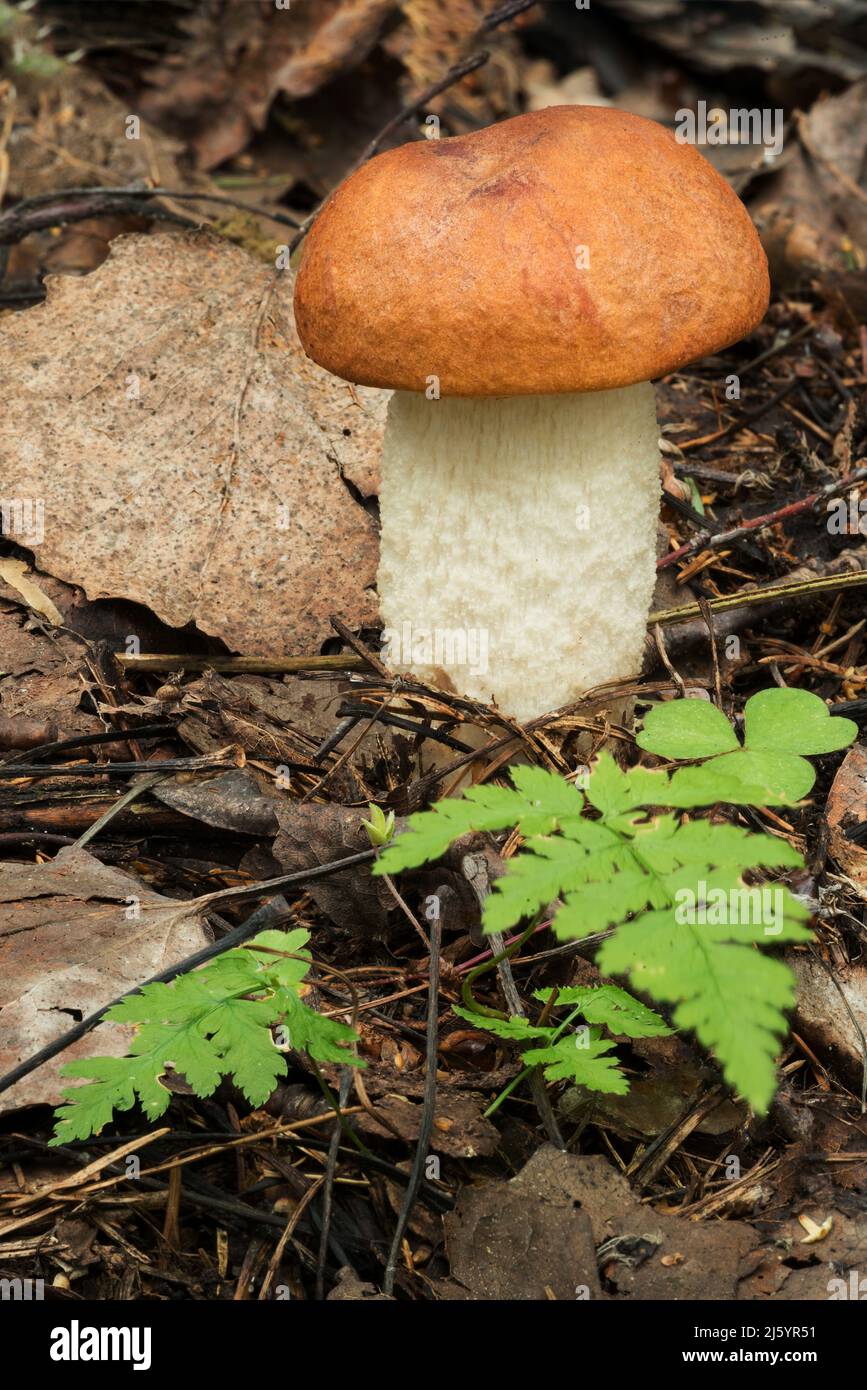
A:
519,542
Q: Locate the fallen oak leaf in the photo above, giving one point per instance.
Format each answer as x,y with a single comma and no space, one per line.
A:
191,457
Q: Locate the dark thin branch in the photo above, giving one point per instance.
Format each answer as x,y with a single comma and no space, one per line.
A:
75,204
20,221
63,745
435,89
427,1112
412,726
707,540
9,769
747,419
330,1172
503,13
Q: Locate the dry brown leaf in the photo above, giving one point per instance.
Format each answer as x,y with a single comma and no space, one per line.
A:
320,834
831,1009
17,575
42,677
238,56
846,808
459,1129
70,942
812,214
436,35
188,455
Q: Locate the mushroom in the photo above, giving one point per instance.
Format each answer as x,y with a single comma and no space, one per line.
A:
518,288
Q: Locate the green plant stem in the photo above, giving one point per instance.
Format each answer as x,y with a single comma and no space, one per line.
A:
522,1075
466,988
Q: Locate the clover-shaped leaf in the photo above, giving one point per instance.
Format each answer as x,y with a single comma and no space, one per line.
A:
742,778
780,727
794,721
687,729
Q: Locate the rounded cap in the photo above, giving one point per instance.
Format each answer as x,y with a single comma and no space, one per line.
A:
576,248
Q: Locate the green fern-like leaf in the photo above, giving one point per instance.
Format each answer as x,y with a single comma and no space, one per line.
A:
665,866
723,989
207,1024
618,863
611,1007
583,1059
578,1055
538,803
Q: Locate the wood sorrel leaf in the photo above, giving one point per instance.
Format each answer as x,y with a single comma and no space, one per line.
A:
686,729
794,721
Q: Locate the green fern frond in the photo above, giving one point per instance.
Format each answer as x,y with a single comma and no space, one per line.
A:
205,1025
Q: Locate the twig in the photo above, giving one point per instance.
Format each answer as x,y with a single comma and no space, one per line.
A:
50,209
435,89
398,721
63,745
406,910
666,660
427,1111
657,1153
250,665
367,656
330,1170
132,795
743,420
206,764
707,614
804,588
475,871
716,540
20,221
277,1254
343,758
503,13
337,736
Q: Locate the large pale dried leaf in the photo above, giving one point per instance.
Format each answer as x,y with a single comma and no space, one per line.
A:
67,947
189,456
